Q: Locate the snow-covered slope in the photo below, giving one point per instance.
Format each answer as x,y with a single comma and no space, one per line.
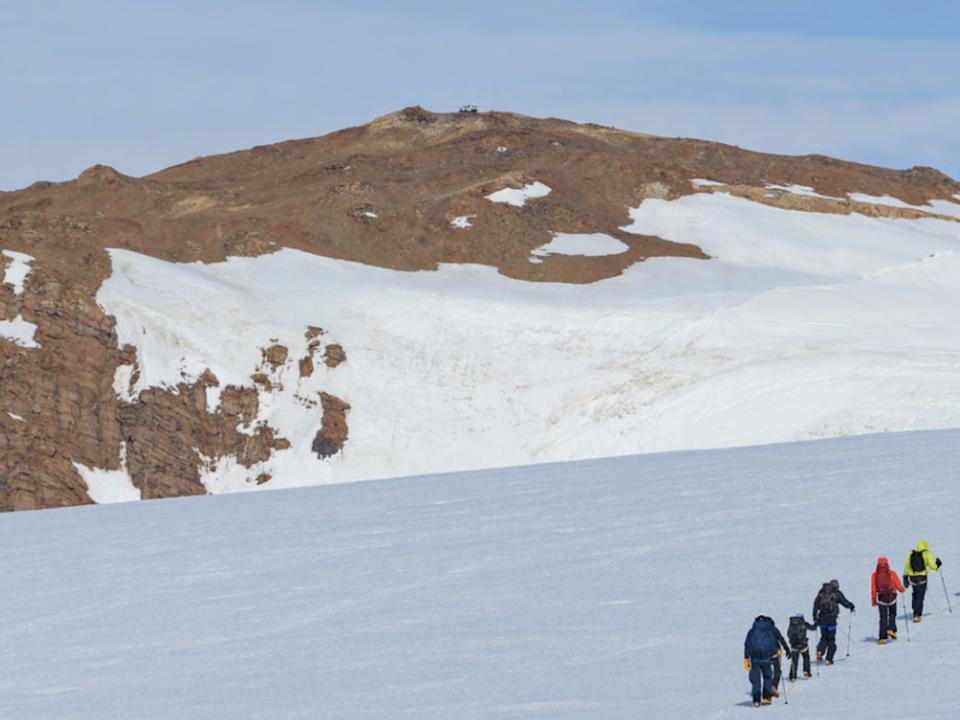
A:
803,325
603,589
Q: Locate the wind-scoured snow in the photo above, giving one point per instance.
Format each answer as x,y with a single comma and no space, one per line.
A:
519,196
462,222
703,182
610,590
587,244
19,331
17,269
15,417
801,326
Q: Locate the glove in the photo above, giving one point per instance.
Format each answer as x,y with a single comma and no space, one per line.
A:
746,663
853,608
939,563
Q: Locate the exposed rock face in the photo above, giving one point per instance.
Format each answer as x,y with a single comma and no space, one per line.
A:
384,194
333,355
333,434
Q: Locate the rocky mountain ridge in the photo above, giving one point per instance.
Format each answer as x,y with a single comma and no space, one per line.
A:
409,191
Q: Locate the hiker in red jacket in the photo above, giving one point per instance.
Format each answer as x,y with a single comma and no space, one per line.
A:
884,586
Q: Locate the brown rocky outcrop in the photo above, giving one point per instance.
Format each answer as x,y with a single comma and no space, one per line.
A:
332,435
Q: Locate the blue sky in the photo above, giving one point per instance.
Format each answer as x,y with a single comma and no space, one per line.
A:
144,85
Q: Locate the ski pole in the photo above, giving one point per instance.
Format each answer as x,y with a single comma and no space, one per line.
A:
945,593
816,635
849,632
906,620
783,686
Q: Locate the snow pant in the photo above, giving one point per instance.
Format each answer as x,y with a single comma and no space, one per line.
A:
919,584
828,641
795,654
888,619
777,671
761,678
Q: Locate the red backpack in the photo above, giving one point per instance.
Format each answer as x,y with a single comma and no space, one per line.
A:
884,581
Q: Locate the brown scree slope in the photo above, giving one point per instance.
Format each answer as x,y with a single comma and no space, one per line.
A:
415,170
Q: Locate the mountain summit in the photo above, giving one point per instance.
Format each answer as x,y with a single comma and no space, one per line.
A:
440,291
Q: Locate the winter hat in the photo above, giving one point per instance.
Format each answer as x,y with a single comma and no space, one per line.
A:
836,584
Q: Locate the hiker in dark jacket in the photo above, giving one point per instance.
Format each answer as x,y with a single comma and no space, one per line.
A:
759,650
777,669
797,635
826,610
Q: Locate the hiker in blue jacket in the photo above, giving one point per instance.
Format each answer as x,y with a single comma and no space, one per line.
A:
759,650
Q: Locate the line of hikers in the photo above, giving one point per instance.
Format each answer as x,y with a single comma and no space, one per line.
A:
765,645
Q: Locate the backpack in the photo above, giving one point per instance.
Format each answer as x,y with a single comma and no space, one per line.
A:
827,602
917,562
761,642
884,582
797,633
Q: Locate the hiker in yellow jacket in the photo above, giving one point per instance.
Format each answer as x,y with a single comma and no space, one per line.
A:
919,561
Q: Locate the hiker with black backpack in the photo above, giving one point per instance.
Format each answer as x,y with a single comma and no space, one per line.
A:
826,610
797,635
759,650
919,561
884,586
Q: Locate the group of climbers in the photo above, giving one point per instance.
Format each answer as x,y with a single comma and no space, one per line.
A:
764,644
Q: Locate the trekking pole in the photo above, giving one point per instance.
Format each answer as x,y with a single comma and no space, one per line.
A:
849,632
945,593
816,635
783,686
906,620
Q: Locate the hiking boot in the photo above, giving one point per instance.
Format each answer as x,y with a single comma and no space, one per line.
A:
807,674
774,692
756,704
916,618
882,641
767,701
891,634
829,662
819,656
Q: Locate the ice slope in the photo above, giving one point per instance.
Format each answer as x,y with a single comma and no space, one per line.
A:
803,325
603,589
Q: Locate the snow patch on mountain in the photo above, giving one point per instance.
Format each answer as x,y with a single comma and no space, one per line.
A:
833,246
940,207
801,326
518,196
799,190
589,245
462,222
109,486
17,270
19,331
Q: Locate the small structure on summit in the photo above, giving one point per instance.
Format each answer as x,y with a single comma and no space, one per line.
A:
468,108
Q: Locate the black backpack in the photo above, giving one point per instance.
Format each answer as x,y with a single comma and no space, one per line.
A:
917,562
827,602
797,633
